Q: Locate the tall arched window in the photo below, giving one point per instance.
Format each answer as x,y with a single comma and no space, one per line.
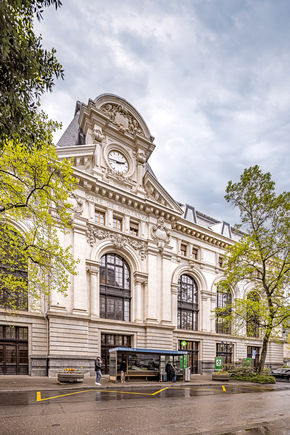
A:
253,314
13,270
115,293
223,303
187,316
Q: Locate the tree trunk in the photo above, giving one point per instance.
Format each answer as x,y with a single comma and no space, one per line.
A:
263,353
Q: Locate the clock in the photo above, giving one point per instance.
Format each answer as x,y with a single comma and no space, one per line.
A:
118,162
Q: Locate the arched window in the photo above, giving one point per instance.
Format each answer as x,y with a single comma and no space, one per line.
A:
223,303
115,293
187,316
253,314
13,270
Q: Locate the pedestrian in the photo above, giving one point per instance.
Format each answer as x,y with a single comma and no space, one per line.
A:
170,371
123,370
98,370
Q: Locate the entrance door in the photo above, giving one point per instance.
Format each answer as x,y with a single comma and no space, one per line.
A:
253,352
192,348
108,342
13,350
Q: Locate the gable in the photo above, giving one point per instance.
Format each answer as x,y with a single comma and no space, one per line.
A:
157,194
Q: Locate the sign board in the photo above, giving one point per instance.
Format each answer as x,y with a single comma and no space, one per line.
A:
254,353
183,343
183,361
219,362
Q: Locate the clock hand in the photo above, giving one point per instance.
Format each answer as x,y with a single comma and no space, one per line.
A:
118,161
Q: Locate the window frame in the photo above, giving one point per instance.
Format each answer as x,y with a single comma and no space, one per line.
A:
187,308
115,297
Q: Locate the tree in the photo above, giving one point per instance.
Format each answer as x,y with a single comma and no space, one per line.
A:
26,71
35,187
35,210
260,260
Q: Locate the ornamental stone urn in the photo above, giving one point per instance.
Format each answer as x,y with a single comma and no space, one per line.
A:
220,376
70,377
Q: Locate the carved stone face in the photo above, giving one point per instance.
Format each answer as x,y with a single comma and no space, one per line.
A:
118,162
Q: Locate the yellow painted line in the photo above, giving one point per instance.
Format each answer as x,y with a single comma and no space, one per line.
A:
39,399
159,391
62,395
224,388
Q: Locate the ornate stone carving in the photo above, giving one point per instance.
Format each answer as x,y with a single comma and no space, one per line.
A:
98,133
118,240
160,234
77,203
123,119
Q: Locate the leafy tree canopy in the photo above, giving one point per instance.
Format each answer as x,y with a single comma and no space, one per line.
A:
26,70
35,213
261,259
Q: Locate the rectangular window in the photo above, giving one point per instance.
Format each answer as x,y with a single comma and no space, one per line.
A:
99,217
117,223
134,228
183,249
195,253
226,351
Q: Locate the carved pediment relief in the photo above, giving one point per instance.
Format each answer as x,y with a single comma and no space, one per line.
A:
121,117
118,240
155,192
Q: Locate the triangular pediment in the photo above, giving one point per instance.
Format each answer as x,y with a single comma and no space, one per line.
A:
157,194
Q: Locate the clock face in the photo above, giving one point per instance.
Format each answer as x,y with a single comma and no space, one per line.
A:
118,162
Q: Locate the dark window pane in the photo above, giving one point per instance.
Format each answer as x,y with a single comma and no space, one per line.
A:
10,354
115,287
10,332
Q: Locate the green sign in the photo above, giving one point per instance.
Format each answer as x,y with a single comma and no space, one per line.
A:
183,361
219,362
183,343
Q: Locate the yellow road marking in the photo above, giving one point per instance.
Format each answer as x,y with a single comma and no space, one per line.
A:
39,399
156,392
224,388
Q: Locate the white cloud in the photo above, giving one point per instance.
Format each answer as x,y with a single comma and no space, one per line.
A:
211,80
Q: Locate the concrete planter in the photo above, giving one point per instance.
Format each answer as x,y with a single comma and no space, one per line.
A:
220,377
70,377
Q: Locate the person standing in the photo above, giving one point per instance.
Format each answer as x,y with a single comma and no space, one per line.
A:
123,370
98,370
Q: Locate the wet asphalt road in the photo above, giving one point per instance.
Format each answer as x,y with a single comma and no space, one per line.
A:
216,409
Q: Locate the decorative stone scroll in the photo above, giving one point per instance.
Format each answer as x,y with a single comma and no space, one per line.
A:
77,203
161,234
118,240
123,119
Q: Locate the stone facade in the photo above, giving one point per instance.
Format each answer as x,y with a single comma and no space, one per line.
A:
170,240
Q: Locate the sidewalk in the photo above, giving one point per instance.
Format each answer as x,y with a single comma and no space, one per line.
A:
38,383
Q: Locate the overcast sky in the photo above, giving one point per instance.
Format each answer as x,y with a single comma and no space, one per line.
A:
211,79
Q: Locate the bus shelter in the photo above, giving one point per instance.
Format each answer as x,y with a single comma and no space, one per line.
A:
146,363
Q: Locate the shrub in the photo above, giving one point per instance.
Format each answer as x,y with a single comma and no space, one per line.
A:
264,379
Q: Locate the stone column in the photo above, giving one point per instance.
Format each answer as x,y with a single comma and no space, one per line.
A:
93,269
140,279
174,307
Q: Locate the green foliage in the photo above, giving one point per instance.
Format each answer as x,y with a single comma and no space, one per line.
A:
26,70
264,379
35,212
261,258
248,374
